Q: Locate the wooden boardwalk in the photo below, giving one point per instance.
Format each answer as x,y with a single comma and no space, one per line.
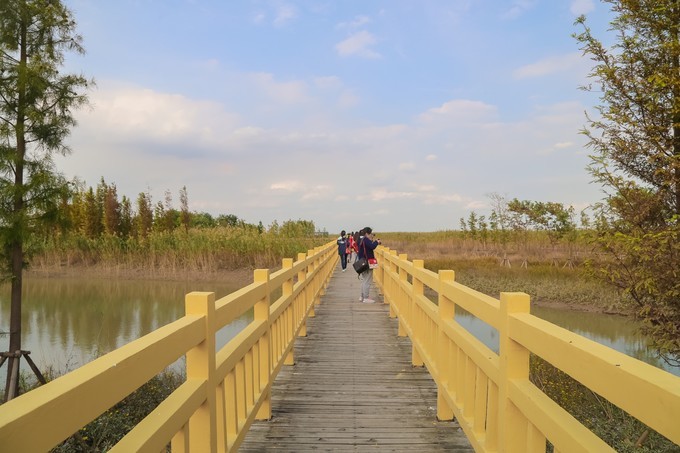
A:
353,388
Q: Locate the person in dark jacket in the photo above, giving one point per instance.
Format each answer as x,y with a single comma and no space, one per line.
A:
367,244
342,249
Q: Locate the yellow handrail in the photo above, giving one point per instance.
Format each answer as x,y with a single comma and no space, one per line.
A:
225,390
490,394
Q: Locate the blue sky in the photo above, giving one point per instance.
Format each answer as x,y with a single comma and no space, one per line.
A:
401,115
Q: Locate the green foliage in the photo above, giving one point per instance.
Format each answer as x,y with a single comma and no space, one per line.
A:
636,143
36,103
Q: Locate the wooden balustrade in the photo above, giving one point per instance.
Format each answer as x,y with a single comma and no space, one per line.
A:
225,390
490,393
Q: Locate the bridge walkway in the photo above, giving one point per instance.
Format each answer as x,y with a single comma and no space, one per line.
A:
352,387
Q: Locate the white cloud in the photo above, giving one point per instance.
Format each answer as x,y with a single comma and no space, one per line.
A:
425,188
284,14
143,114
358,44
348,99
579,7
358,22
431,157
288,186
407,166
292,92
317,193
518,8
328,82
382,194
460,110
551,65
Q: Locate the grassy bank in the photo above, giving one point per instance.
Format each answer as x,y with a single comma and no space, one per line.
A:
196,252
554,276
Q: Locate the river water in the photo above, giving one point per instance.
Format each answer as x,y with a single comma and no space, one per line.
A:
69,322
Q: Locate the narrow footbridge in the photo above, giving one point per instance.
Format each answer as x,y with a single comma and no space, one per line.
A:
318,370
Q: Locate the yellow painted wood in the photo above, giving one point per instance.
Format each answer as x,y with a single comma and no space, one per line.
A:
514,364
445,311
485,358
80,395
656,397
480,305
154,432
489,394
200,365
563,430
231,307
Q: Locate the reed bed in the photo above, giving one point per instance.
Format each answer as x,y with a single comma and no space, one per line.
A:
556,275
195,251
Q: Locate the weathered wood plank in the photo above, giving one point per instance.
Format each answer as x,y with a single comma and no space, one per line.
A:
352,387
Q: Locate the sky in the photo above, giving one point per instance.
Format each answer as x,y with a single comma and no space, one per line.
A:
396,114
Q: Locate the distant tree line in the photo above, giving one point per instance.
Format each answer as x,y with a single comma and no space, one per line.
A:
94,212
513,222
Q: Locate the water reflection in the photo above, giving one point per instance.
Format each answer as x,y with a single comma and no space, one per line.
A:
617,332
69,322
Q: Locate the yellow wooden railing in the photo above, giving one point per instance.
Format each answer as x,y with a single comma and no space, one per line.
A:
490,394
224,391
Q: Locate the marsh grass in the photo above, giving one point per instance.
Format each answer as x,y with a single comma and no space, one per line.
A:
172,253
546,277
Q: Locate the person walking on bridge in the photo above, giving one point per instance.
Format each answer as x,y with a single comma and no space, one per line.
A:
367,244
342,249
351,247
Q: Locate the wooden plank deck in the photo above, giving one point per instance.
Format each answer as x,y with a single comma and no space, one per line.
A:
353,387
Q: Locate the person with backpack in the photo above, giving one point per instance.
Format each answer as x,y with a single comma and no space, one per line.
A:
367,244
342,249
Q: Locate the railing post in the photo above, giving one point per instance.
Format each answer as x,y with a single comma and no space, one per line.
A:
309,287
201,365
514,364
302,295
380,274
261,312
287,291
417,325
447,310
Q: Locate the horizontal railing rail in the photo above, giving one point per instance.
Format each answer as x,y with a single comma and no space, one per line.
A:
225,390
490,393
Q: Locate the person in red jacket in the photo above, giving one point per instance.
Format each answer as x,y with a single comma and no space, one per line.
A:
351,247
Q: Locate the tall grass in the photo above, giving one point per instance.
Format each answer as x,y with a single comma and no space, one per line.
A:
553,275
196,250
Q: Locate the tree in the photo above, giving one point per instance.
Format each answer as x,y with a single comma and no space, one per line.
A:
635,139
144,220
185,215
92,220
112,210
36,104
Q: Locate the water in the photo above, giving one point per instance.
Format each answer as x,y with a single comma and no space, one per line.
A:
617,332
69,322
